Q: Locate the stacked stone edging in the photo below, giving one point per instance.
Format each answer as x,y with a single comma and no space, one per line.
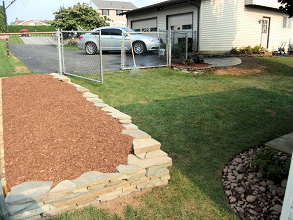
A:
147,168
250,195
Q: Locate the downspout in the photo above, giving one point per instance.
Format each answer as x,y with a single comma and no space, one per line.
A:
197,31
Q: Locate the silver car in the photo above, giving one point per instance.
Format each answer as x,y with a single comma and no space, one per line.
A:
111,38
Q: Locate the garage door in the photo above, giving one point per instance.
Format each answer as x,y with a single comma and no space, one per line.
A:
180,22
145,25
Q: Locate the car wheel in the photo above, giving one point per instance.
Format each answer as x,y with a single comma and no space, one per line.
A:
91,48
139,47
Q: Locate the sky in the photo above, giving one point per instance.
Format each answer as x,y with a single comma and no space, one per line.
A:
43,9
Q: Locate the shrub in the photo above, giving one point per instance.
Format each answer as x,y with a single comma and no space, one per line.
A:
234,50
196,58
38,28
269,163
188,62
257,49
178,50
246,50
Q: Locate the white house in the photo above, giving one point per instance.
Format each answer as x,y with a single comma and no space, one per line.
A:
113,10
218,25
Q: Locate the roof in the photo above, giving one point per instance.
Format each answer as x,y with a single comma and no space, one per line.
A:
114,5
159,5
44,22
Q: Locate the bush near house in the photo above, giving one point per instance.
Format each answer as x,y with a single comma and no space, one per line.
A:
38,28
258,49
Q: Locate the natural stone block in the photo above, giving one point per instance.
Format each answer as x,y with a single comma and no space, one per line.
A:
63,187
80,88
166,177
149,184
90,95
110,109
75,198
162,183
158,161
30,213
138,134
95,100
156,153
95,178
145,145
129,127
128,188
125,121
141,156
15,209
156,170
119,115
129,169
109,196
28,192
101,105
62,78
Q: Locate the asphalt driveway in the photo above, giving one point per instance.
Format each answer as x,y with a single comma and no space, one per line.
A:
42,58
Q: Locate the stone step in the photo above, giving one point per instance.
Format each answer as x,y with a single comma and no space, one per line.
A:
137,134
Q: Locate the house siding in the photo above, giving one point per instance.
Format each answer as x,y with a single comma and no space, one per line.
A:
235,25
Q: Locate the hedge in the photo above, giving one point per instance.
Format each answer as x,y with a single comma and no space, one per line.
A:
38,28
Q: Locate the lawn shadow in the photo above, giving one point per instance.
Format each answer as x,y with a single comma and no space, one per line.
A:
202,133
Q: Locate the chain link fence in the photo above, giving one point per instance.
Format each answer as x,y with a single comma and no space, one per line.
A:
78,53
148,49
36,50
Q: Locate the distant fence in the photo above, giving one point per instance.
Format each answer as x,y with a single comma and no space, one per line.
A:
77,52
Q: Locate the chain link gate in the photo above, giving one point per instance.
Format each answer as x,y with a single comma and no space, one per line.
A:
76,62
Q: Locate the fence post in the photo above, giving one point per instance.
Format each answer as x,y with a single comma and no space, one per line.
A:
169,47
4,213
122,52
59,51
101,56
186,44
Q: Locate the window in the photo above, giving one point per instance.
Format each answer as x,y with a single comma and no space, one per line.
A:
186,26
286,22
118,12
154,29
105,32
105,12
115,32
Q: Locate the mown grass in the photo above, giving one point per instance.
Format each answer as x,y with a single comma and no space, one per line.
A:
202,121
11,66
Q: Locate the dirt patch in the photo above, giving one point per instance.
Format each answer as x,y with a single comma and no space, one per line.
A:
249,66
21,69
52,133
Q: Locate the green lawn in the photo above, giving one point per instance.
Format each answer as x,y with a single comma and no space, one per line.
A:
202,121
11,66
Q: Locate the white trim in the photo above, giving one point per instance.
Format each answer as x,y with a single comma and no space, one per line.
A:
288,199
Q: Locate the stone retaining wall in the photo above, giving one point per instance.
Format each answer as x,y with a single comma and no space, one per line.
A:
147,168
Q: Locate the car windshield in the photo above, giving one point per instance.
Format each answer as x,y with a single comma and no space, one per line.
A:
127,30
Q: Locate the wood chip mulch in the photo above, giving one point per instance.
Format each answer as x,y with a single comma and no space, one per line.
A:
52,133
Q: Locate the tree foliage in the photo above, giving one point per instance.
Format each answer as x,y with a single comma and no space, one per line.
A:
287,6
78,17
2,29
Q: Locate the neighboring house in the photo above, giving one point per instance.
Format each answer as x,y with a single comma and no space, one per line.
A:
113,10
32,22
218,25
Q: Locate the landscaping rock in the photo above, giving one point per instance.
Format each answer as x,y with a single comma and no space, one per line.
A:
250,195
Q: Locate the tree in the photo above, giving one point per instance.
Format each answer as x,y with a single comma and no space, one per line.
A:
78,17
2,28
287,6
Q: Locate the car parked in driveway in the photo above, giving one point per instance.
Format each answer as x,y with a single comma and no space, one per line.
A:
111,38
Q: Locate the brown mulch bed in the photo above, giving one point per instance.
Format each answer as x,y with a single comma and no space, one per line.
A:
52,133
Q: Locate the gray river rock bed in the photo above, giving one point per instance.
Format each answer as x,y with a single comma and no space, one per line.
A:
250,195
